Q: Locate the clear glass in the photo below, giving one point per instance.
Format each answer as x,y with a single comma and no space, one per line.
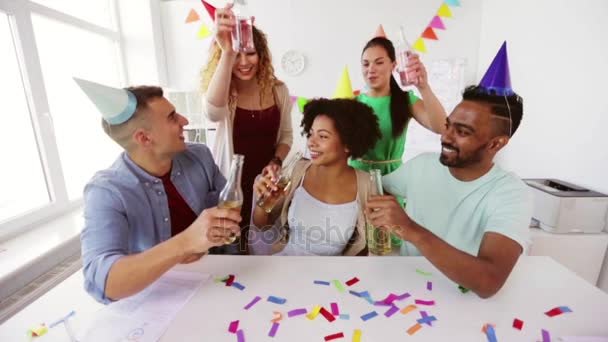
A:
231,196
22,181
65,52
402,50
283,183
378,238
98,12
242,36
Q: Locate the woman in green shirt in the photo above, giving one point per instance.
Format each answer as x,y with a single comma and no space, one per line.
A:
394,107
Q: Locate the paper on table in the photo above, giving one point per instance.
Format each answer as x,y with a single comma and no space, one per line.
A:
145,316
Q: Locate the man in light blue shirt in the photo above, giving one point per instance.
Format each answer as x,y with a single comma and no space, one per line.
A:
464,213
155,206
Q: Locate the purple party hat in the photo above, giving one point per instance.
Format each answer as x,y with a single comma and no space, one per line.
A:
497,79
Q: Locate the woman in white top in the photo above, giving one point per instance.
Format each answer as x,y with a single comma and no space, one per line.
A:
322,213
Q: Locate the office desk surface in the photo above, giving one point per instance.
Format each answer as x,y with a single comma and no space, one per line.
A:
536,285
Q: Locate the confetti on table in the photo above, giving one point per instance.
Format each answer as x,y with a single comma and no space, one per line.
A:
381,303
391,311
424,302
368,316
558,311
233,327
345,316
419,271
334,309
328,316
321,282
403,296
355,293
390,299
357,335
518,324
463,289
238,286
424,319
296,312
230,280
315,311
339,286
490,333
240,336
252,303
37,331
334,336
276,300
429,286
408,309
485,327
412,330
273,330
221,280
352,281
546,336
279,316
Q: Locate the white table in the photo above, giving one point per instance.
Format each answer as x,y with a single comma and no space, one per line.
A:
536,285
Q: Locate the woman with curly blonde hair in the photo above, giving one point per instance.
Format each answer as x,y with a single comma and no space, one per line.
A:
251,106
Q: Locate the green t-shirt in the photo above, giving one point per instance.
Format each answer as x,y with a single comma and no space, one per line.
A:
388,147
459,212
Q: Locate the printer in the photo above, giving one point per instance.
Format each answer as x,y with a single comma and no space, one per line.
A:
561,207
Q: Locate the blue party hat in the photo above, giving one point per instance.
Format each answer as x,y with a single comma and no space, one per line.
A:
116,105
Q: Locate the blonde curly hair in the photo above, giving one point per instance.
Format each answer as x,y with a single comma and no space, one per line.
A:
265,73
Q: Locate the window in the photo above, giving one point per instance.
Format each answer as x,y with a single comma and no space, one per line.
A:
51,133
22,183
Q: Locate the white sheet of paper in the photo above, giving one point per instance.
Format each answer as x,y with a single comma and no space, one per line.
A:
144,317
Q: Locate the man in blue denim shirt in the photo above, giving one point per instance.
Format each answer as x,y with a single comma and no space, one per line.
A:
155,206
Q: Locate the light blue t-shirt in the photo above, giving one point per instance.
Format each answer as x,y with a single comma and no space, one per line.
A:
460,212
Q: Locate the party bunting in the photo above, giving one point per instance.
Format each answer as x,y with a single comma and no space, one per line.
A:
210,9
444,11
192,17
436,23
454,3
429,34
419,45
203,32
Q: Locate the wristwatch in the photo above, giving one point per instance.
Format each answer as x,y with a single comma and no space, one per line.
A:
277,160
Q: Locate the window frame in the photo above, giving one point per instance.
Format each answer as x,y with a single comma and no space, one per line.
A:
20,19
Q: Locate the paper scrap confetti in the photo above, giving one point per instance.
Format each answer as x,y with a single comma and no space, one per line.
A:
357,335
403,296
345,316
518,324
408,309
238,286
279,316
334,309
273,329
353,281
334,336
321,282
296,312
315,311
391,311
369,315
390,299
37,331
221,280
429,286
424,302
328,316
424,319
424,273
276,300
230,280
546,335
240,336
252,303
558,311
412,330
355,293
490,333
339,286
233,327
485,327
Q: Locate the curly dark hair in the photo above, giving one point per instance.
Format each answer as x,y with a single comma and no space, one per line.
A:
509,107
355,122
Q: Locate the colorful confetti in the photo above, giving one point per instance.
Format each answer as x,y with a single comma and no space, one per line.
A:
345,316
328,316
296,312
353,281
429,286
391,311
368,316
412,330
334,309
334,336
238,286
424,319
408,309
315,311
463,289
518,324
273,330
558,311
546,336
490,333
252,303
424,273
233,327
230,280
321,282
240,336
357,335
339,286
279,316
403,296
424,302
276,300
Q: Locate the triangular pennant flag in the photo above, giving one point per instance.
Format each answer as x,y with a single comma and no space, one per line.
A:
192,17
210,9
429,34
453,3
344,89
444,11
436,23
301,103
380,32
203,32
419,45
